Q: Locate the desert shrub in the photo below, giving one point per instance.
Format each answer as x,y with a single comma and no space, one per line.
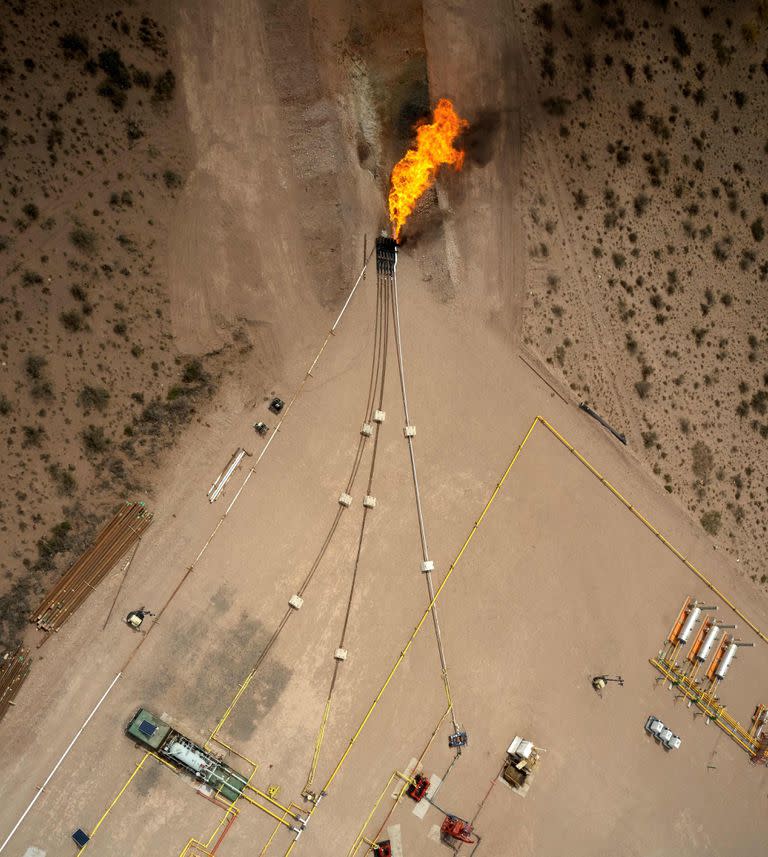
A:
117,96
65,482
723,51
72,320
74,45
120,327
193,373
84,239
93,397
722,248
579,199
650,438
698,334
711,522
637,111
543,17
165,86
547,63
5,405
747,260
33,435
59,541
619,260
94,439
750,31
133,130
643,388
34,366
702,461
158,414
759,402
640,204
172,180
680,42
111,63
142,78
659,127
556,106
31,278
758,230
31,211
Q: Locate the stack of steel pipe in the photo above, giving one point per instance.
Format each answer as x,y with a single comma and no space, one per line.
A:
14,668
114,540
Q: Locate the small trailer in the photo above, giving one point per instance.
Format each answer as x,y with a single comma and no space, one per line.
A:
154,734
520,765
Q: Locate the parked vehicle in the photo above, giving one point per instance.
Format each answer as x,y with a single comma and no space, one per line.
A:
663,734
654,727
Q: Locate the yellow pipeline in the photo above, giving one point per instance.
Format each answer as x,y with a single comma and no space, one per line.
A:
268,811
414,634
593,470
117,798
226,746
653,529
318,745
712,710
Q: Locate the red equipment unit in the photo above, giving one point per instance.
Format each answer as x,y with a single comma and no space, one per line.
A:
418,788
382,849
456,828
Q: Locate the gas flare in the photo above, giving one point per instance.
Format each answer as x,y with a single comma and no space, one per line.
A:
417,169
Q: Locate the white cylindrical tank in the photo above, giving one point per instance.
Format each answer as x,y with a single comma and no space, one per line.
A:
722,667
685,632
709,642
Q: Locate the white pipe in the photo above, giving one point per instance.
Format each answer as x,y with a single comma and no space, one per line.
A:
290,404
225,475
56,766
349,298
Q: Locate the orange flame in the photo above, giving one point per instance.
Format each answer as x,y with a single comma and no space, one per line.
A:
417,169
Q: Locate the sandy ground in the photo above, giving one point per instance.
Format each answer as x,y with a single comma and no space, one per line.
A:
527,619
560,583
644,211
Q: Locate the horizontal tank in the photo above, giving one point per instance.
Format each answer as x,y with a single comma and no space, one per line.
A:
188,755
685,632
709,642
722,667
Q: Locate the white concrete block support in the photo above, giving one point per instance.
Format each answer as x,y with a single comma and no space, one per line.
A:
429,565
296,601
345,500
366,430
340,654
369,502
409,431
379,416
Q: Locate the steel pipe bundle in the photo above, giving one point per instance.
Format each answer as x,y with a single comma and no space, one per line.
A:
14,668
114,540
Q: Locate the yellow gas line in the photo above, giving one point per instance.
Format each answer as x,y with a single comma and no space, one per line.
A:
231,749
318,746
689,565
714,711
117,797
